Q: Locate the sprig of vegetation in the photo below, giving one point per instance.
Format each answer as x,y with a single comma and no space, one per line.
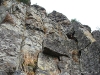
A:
73,20
25,1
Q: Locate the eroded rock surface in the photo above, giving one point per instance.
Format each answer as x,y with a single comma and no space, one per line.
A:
33,42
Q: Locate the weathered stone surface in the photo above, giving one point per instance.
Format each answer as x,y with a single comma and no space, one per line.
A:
96,35
87,27
69,30
65,73
8,3
64,65
59,17
90,59
57,46
10,42
3,13
83,36
47,65
39,8
3,73
19,73
54,47
37,43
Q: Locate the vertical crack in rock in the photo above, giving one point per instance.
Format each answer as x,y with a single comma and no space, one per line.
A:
20,54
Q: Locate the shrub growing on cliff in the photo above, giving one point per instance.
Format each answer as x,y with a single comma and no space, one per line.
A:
73,20
25,1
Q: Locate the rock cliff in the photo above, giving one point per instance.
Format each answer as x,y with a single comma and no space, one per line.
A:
33,42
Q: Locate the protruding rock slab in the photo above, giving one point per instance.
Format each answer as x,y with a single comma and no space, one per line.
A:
55,45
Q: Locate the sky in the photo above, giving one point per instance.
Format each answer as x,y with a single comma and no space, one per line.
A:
85,11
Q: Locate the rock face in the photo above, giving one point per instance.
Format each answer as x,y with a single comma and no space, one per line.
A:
33,42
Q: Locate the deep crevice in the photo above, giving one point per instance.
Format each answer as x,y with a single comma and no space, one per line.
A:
79,53
1,1
59,58
52,53
59,69
71,36
82,74
36,66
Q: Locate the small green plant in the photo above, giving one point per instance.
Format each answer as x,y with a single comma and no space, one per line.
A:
73,20
25,1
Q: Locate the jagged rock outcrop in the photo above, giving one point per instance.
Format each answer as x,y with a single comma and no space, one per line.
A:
33,42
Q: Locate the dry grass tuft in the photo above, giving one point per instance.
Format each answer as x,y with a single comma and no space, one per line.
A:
54,72
30,73
5,3
8,19
29,61
75,55
75,52
44,29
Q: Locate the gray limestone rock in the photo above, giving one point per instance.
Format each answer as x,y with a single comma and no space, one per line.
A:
57,46
87,27
69,30
47,65
96,35
39,8
83,36
64,65
59,18
65,73
90,59
41,44
19,73
54,47
3,73
3,13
